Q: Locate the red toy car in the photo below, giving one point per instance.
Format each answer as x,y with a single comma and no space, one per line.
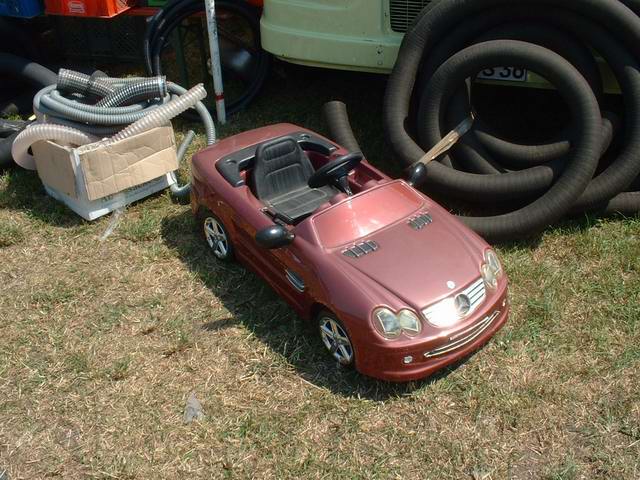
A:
398,286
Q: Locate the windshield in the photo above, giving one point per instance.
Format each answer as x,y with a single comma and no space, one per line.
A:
366,213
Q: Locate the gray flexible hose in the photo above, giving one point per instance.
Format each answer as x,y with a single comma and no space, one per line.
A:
136,91
182,192
71,81
205,116
161,115
127,106
121,82
96,130
49,105
58,97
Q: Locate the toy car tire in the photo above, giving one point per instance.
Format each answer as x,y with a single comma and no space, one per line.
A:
216,235
335,338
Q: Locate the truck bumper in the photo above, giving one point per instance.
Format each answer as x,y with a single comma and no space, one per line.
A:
353,35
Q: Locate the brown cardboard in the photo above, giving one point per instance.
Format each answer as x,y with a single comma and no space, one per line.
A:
55,167
106,170
129,162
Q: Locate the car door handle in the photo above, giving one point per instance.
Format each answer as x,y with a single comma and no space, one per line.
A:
295,280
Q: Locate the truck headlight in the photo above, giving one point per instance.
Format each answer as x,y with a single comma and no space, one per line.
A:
390,324
491,270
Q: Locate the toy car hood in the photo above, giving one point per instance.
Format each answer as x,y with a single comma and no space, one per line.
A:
418,267
421,256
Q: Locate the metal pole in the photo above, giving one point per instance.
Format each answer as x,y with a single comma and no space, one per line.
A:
216,69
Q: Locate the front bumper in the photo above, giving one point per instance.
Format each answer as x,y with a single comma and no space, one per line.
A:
386,361
353,35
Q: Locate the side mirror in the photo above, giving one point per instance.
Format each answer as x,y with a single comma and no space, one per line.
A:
274,236
416,174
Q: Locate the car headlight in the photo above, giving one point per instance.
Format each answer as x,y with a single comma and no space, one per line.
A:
409,322
390,324
491,270
387,322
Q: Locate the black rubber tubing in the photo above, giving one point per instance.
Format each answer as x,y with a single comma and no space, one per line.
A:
164,22
533,32
625,67
337,120
584,155
31,72
27,71
609,26
6,159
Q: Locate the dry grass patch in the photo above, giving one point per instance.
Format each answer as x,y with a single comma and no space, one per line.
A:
104,341
107,339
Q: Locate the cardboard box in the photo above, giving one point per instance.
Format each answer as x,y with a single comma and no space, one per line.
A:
94,179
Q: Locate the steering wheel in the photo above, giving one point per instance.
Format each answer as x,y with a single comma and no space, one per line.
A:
336,171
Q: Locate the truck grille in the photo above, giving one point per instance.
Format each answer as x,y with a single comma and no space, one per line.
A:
404,12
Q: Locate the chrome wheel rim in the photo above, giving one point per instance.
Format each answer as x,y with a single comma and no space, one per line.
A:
216,237
336,340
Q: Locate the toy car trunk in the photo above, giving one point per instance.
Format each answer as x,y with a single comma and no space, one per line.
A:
94,179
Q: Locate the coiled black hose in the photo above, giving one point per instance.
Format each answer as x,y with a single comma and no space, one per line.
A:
9,130
428,95
6,159
337,119
26,70
459,38
161,26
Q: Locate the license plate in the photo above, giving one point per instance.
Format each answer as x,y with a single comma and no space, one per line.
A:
504,74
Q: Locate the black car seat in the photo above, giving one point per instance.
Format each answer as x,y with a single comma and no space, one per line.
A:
279,177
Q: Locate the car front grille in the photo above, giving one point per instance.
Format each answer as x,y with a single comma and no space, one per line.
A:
463,338
404,12
476,293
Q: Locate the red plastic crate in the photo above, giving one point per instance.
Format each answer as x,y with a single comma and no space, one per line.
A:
88,8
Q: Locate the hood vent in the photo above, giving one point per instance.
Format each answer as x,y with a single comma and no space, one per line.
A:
361,249
420,221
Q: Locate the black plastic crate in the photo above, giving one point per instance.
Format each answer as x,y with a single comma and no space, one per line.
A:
104,40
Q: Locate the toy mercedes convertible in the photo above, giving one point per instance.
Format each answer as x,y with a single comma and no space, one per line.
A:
398,287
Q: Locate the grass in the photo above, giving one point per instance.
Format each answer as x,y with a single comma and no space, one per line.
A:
103,341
